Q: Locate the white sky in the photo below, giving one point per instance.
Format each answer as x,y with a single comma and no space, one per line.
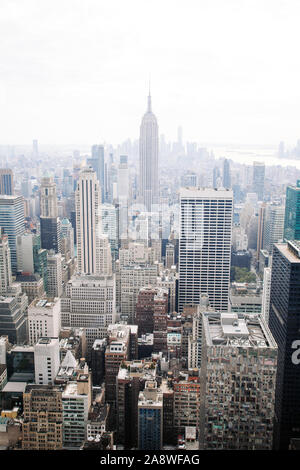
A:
77,71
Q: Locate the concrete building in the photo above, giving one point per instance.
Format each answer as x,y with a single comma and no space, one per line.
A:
43,420
46,360
44,319
89,302
5,264
205,246
54,274
237,402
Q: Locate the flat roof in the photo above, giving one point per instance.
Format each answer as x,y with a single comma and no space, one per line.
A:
15,387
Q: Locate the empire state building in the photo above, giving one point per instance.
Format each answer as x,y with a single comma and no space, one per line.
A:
148,182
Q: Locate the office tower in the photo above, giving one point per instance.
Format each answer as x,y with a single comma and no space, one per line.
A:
117,352
67,237
89,302
12,221
110,226
5,263
97,163
205,246
292,213
274,226
50,223
133,278
265,305
258,182
284,323
195,338
237,379
261,229
12,320
31,258
226,174
76,402
43,424
131,379
54,274
98,361
43,319
6,182
186,402
168,280
46,360
150,417
88,221
145,309
217,179
170,256
32,285
148,150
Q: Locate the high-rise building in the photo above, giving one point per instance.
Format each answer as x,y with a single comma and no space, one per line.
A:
88,221
131,379
50,223
170,256
226,174
237,379
292,213
261,229
150,417
46,360
43,319
133,278
97,163
67,234
6,181
274,226
148,171
12,221
265,303
284,323
259,179
54,274
5,263
89,302
205,246
43,421
13,322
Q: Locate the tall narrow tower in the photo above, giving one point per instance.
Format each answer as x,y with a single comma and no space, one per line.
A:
87,201
148,182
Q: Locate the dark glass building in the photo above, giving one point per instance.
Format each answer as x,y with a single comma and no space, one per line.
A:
50,233
284,323
292,213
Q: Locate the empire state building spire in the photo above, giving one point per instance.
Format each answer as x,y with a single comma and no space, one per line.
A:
148,175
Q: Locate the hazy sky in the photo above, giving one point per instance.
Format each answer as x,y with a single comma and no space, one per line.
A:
77,71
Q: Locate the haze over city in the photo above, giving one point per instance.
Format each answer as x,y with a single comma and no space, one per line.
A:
76,72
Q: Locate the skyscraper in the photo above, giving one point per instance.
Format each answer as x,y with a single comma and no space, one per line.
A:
50,223
226,174
274,226
259,179
205,246
284,323
5,263
148,182
292,213
88,220
97,163
6,182
12,221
